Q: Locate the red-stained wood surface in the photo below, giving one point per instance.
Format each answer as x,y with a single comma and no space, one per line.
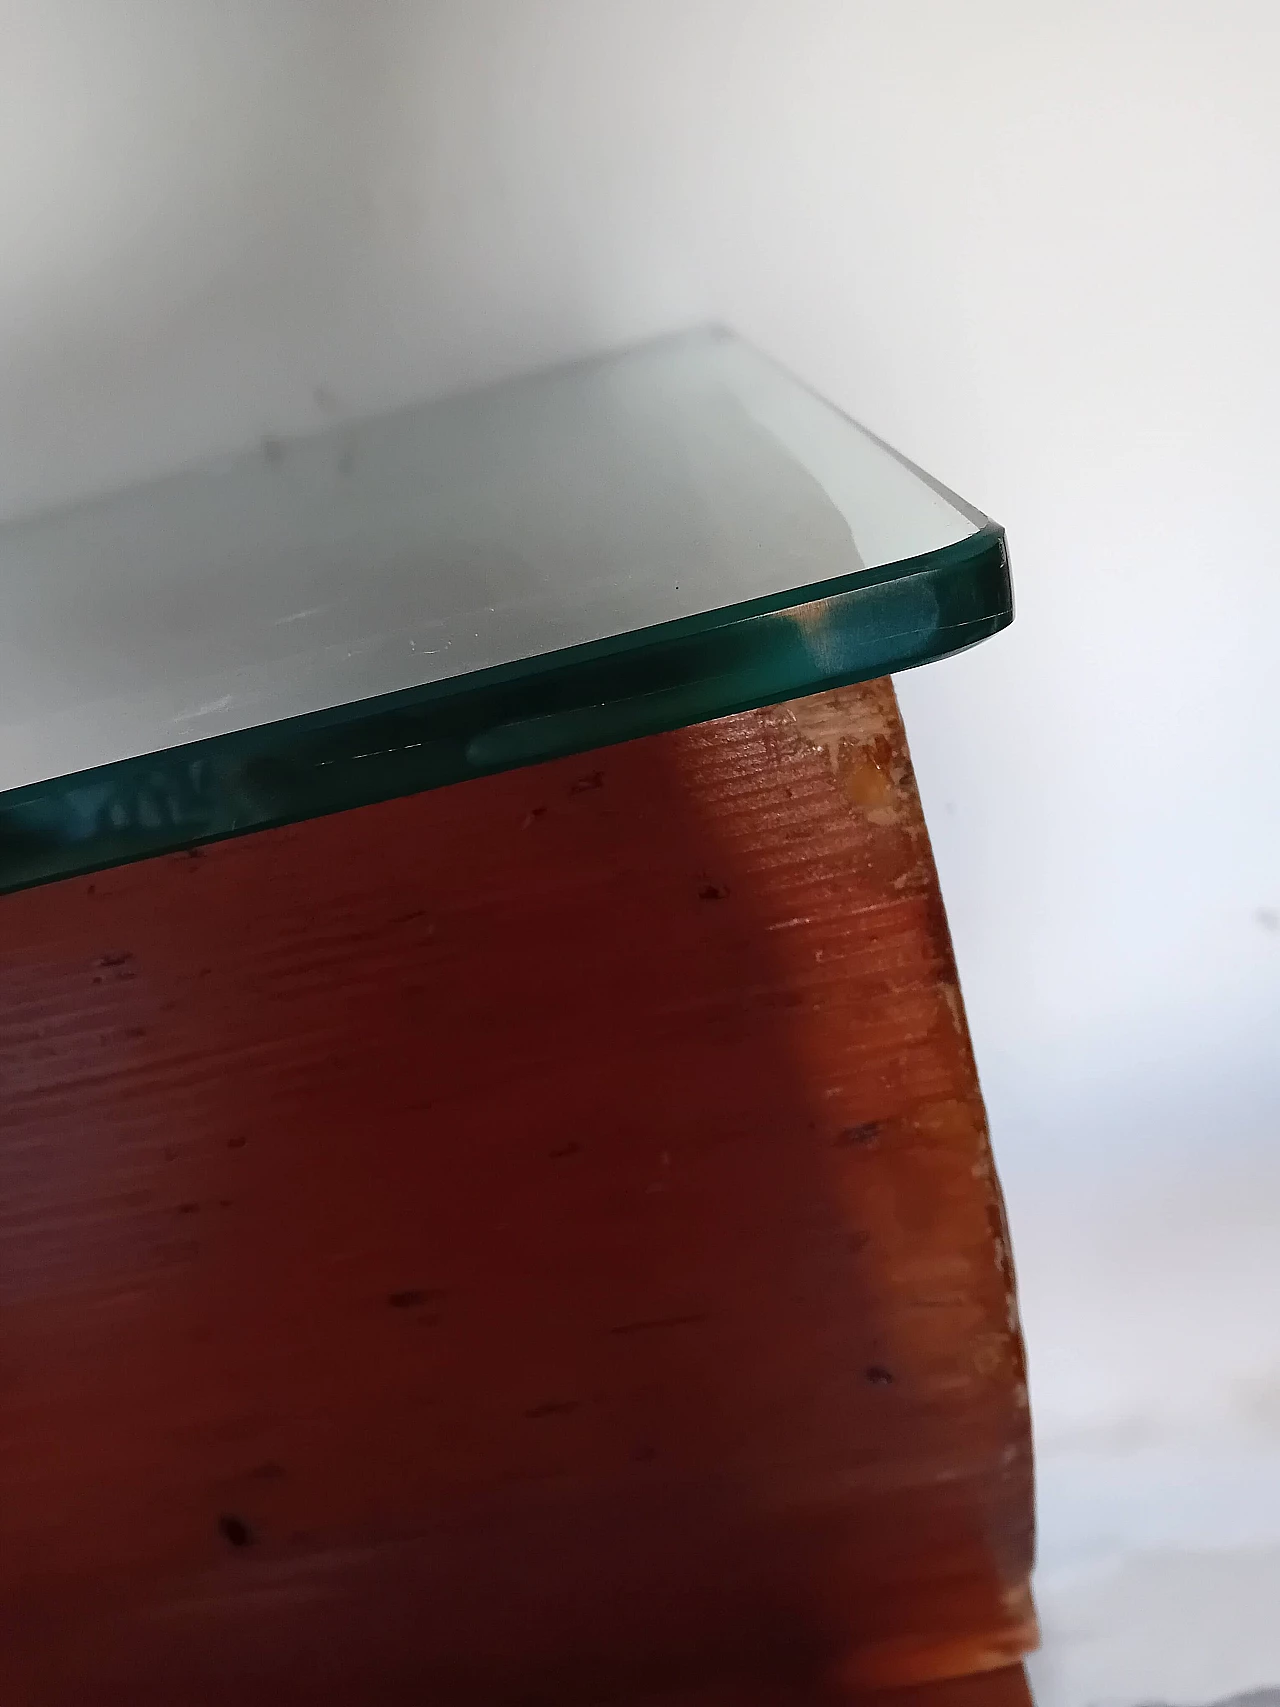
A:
534,1242
1004,1688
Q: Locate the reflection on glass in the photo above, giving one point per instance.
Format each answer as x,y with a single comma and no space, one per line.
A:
602,551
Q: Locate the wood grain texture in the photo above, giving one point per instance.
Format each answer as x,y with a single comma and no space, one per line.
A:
531,1242
1004,1688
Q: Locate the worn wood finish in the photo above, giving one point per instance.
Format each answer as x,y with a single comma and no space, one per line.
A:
531,1242
1004,1688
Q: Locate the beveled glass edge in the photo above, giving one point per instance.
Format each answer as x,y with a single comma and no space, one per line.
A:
848,629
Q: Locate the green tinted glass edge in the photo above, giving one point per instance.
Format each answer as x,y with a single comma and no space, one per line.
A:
840,631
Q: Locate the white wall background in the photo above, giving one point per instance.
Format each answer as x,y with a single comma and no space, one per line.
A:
1036,245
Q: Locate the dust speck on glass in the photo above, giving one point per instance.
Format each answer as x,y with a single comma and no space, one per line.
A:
609,549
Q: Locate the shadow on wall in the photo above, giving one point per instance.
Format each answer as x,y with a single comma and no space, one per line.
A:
226,221
1164,1627
1253,1698
195,199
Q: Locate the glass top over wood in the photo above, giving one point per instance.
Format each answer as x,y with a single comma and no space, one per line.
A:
606,550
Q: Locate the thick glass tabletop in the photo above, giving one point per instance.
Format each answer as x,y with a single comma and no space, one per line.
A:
603,551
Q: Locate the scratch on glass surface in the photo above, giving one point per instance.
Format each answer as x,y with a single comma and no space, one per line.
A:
375,753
